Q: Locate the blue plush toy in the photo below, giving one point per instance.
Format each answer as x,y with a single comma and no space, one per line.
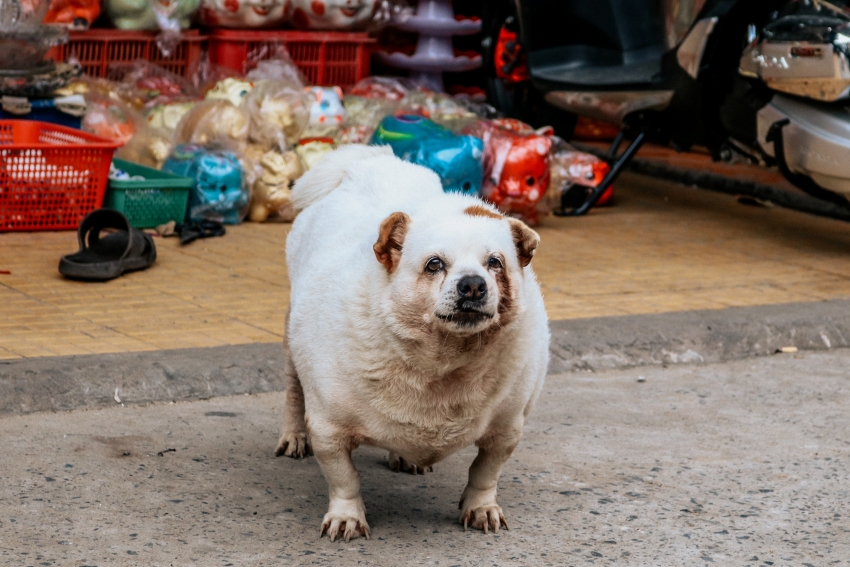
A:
218,193
456,159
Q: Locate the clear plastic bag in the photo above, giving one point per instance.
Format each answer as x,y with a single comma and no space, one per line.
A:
327,113
110,119
278,113
278,68
393,88
364,115
311,150
204,75
154,84
441,108
148,146
272,174
574,173
231,89
516,166
220,192
168,116
214,123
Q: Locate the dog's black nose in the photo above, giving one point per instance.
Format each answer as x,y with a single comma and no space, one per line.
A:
472,288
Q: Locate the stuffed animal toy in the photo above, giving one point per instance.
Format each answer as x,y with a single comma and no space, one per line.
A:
455,158
516,166
332,14
574,175
214,122
148,146
271,198
230,89
244,14
218,193
75,14
327,114
279,113
311,150
142,14
168,116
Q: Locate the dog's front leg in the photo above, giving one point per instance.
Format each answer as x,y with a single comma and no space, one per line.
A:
346,514
478,502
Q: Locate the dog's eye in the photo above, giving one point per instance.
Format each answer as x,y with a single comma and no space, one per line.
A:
494,263
434,265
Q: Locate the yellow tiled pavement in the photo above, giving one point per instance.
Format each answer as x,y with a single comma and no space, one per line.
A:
661,248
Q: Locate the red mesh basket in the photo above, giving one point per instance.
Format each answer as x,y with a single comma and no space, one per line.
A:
326,58
97,49
50,176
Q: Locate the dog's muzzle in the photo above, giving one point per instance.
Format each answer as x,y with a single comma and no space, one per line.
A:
471,303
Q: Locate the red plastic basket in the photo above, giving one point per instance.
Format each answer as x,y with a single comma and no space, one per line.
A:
50,176
98,49
327,58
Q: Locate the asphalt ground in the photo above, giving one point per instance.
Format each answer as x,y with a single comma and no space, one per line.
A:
735,463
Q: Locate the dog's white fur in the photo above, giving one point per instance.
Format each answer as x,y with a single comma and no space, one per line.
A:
377,353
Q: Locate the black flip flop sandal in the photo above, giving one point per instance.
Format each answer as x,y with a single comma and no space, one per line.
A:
103,258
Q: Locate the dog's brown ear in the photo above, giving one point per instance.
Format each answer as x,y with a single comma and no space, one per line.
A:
525,239
390,239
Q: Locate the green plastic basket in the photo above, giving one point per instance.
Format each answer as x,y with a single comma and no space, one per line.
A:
159,198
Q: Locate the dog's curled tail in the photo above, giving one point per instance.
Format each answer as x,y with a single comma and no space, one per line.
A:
326,175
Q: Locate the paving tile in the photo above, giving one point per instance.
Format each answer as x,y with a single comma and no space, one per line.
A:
660,248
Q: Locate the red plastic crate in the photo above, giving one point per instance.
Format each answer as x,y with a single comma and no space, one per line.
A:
50,176
97,49
326,58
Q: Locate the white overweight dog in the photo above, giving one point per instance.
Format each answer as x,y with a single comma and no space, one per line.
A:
415,324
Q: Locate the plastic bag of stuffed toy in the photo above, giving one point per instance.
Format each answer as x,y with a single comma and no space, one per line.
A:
215,123
220,192
148,146
110,119
393,88
516,166
156,85
271,174
278,114
279,67
203,74
574,174
439,107
363,116
232,89
105,89
327,113
370,101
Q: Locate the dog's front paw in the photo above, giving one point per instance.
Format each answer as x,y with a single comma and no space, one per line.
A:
398,464
345,518
293,444
480,510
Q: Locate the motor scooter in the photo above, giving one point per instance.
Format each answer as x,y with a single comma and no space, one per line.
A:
767,81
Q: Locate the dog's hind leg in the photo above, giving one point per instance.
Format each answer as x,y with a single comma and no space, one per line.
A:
293,440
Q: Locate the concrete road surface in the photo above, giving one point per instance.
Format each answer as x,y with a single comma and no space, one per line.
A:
741,463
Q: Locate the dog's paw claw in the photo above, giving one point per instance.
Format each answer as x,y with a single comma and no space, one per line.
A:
484,518
346,528
398,464
295,445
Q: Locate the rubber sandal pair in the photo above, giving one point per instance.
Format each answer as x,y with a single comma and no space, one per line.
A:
104,254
